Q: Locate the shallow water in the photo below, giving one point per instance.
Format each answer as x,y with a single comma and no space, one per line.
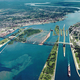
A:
21,61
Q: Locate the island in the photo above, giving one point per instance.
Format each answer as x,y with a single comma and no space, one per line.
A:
4,41
48,72
57,29
23,34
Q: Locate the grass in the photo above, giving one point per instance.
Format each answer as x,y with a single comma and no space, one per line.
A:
57,29
77,58
3,41
21,38
48,71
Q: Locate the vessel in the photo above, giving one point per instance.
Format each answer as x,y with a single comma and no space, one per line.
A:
69,71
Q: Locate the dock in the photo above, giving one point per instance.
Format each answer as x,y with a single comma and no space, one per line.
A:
61,31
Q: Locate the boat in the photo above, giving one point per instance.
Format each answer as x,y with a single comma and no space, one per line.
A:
69,71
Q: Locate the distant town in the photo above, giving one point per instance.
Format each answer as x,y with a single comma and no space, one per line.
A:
34,15
12,19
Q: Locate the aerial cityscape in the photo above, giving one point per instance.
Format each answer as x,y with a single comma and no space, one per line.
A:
39,40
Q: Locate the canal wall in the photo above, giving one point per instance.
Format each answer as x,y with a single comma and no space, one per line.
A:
56,62
75,61
4,43
51,75
48,35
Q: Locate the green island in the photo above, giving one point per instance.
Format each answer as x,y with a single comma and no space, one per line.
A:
3,41
77,54
57,29
25,33
49,69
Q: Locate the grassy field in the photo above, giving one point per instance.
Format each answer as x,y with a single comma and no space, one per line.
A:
48,70
57,29
3,41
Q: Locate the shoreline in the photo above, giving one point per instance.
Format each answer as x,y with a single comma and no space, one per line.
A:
4,44
75,61
53,78
48,35
45,66
47,22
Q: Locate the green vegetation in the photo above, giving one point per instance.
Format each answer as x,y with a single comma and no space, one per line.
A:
3,41
11,42
57,29
21,38
17,33
70,29
77,24
77,53
54,33
48,70
31,31
76,46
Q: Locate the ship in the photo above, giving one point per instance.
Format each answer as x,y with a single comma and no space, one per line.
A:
69,71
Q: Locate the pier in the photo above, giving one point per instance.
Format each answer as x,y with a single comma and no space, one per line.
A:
61,31
48,35
66,32
64,39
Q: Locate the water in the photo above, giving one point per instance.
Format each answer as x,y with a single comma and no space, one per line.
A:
62,63
1,39
24,60
21,61
12,33
37,38
51,39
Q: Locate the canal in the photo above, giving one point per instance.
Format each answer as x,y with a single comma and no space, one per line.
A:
62,62
21,61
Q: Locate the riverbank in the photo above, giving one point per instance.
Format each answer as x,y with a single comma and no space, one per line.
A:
74,56
20,35
4,43
57,29
44,22
48,72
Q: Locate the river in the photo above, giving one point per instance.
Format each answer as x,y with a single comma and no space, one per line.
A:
21,61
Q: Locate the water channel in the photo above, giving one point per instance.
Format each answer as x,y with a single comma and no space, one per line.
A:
21,61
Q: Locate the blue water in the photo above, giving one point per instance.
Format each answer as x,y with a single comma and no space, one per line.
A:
1,39
62,62
21,61
12,33
25,60
51,39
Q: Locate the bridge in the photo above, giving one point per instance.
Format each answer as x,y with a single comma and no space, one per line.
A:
64,43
